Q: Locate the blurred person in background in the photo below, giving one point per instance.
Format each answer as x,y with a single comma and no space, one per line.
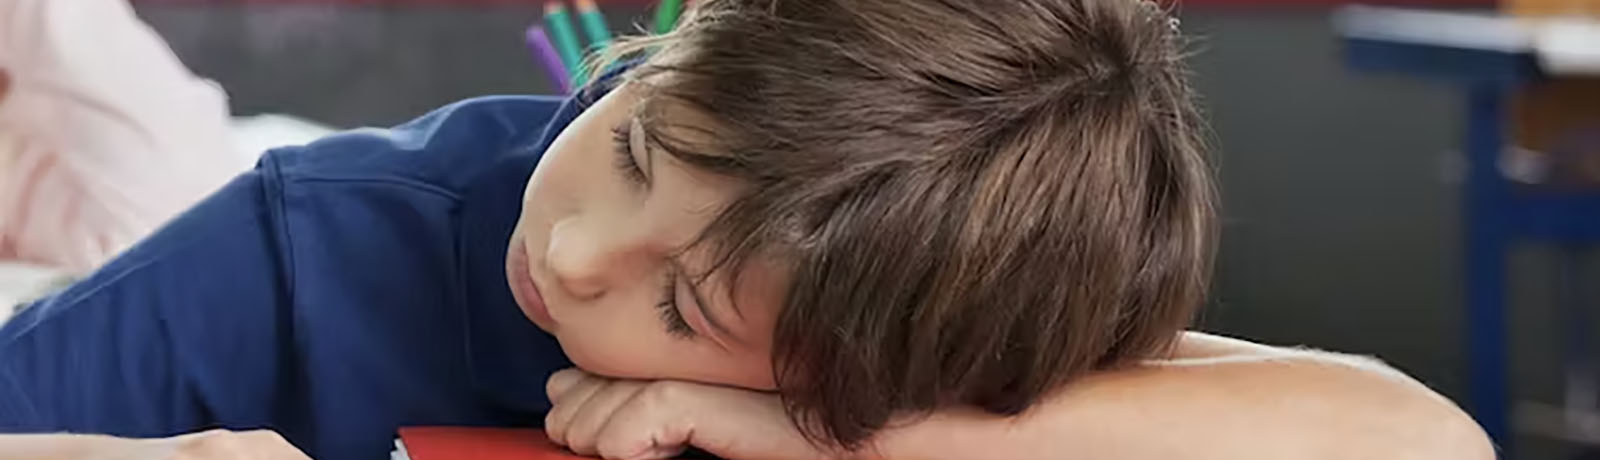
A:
104,134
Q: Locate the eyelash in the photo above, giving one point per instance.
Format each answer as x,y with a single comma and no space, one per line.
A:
629,167
622,143
668,307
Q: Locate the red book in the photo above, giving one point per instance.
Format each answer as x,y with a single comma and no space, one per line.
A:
456,443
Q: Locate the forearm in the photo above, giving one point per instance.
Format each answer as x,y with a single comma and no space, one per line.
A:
1218,399
51,446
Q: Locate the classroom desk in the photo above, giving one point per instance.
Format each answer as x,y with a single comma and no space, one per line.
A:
1497,213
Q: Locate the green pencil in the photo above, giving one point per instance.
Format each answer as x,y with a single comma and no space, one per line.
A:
594,24
559,24
667,15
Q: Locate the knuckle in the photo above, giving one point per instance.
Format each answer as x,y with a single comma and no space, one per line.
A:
561,382
582,448
557,435
580,441
557,382
616,447
557,421
552,423
662,394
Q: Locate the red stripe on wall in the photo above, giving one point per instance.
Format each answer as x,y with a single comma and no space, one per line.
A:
1186,3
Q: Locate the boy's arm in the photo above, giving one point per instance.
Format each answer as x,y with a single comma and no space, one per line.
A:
119,352
209,445
1216,399
186,330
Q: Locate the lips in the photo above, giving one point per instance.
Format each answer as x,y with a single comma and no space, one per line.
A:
523,289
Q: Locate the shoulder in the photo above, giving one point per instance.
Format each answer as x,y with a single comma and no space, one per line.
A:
302,267
206,282
258,224
442,151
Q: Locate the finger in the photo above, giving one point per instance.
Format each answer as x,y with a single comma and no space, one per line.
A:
562,381
651,425
583,430
557,420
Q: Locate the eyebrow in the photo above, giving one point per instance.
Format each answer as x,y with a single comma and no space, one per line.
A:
701,304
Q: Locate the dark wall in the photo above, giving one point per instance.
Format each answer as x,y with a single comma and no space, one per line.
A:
1341,195
1340,227
353,66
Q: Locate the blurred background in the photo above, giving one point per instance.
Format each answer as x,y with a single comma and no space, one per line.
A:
1344,183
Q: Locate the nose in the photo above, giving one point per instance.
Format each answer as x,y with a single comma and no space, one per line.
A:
587,260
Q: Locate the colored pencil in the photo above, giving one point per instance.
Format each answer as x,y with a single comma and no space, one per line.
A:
558,23
594,24
667,15
548,58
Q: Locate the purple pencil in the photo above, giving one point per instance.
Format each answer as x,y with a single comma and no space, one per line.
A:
545,52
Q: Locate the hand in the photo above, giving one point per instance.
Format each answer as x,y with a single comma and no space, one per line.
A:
637,420
209,445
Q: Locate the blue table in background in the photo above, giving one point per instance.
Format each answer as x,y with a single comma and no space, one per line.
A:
1497,212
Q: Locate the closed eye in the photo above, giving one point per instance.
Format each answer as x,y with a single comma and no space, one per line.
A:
625,159
671,313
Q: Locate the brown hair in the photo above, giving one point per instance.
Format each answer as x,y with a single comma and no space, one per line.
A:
979,200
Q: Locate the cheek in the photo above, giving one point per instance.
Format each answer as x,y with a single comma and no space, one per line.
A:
568,181
560,177
645,352
610,347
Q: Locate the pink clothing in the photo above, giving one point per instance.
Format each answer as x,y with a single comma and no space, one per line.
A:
104,134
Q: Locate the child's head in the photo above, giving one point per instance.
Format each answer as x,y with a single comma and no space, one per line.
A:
878,207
